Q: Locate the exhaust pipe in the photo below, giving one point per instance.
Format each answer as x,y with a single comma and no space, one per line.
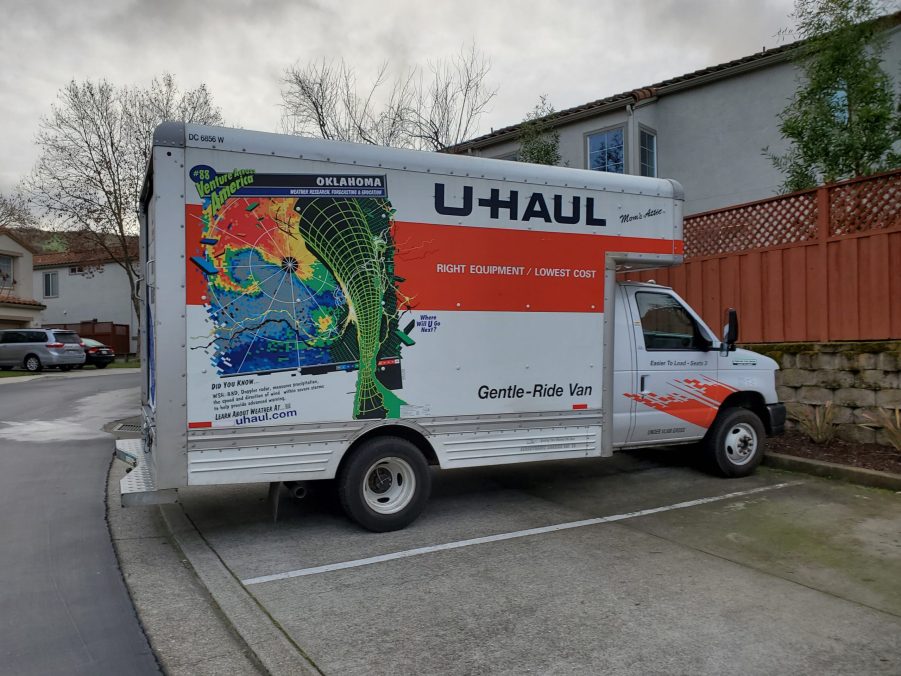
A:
297,489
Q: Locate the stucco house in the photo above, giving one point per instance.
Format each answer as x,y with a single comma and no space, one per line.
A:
84,286
706,129
18,308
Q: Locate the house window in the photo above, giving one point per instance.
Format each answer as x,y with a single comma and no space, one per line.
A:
839,103
76,270
647,153
6,271
51,284
605,151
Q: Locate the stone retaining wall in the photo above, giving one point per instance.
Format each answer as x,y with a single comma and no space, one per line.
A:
855,377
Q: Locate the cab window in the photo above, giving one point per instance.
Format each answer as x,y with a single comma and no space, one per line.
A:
666,324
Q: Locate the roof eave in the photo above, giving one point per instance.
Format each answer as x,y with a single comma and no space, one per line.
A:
661,89
37,305
9,232
513,132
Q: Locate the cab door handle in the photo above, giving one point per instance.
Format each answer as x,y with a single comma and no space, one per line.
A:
644,379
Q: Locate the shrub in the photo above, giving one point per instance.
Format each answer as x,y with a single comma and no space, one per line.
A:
887,420
817,422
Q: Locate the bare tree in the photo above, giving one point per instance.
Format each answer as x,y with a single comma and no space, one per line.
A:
14,212
94,146
411,110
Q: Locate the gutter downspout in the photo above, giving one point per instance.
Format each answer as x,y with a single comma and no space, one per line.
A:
631,140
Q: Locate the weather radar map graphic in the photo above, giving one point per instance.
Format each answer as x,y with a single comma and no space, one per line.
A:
299,275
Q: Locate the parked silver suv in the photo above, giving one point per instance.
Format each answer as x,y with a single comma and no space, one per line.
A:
34,349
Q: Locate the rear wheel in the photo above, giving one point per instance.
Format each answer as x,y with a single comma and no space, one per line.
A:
385,484
734,444
33,364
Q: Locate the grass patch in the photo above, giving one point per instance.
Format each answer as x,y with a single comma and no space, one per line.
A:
126,364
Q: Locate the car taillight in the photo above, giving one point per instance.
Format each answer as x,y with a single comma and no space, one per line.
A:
92,350
82,344
54,345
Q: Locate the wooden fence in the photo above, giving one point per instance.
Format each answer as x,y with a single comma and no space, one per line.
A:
813,266
117,336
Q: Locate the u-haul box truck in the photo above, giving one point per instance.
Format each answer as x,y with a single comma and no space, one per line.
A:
317,310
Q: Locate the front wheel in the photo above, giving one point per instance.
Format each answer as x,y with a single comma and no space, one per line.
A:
734,444
33,364
385,484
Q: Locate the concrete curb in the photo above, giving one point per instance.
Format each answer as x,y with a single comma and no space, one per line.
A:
270,645
68,374
831,470
187,632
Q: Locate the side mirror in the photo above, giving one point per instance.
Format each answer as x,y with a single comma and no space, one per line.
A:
730,331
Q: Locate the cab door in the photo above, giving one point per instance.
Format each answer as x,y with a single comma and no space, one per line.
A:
623,369
676,385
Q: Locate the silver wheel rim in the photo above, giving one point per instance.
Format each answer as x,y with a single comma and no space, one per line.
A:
741,443
32,364
389,485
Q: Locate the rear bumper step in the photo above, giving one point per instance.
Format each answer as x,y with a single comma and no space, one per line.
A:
138,486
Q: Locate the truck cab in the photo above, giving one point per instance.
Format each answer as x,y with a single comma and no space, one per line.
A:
675,381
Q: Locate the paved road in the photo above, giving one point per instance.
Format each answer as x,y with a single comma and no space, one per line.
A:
63,606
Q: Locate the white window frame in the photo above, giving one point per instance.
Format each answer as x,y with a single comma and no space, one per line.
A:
647,130
53,277
623,128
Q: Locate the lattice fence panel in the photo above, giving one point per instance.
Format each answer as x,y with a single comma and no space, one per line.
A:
752,226
861,206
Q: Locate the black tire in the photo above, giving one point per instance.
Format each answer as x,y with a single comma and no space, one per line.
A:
734,443
32,363
378,476
101,366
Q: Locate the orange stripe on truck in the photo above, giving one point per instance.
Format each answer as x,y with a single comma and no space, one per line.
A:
693,400
445,267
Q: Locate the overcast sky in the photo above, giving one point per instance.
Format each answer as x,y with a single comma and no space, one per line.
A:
572,50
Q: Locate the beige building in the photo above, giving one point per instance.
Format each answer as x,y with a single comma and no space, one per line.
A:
18,308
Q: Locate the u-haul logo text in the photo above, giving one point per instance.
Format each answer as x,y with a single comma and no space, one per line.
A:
550,209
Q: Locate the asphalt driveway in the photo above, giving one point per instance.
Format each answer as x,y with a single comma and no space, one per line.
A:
640,564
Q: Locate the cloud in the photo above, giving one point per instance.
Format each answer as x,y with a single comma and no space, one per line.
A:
574,52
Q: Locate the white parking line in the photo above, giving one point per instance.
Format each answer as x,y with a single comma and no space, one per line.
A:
419,551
